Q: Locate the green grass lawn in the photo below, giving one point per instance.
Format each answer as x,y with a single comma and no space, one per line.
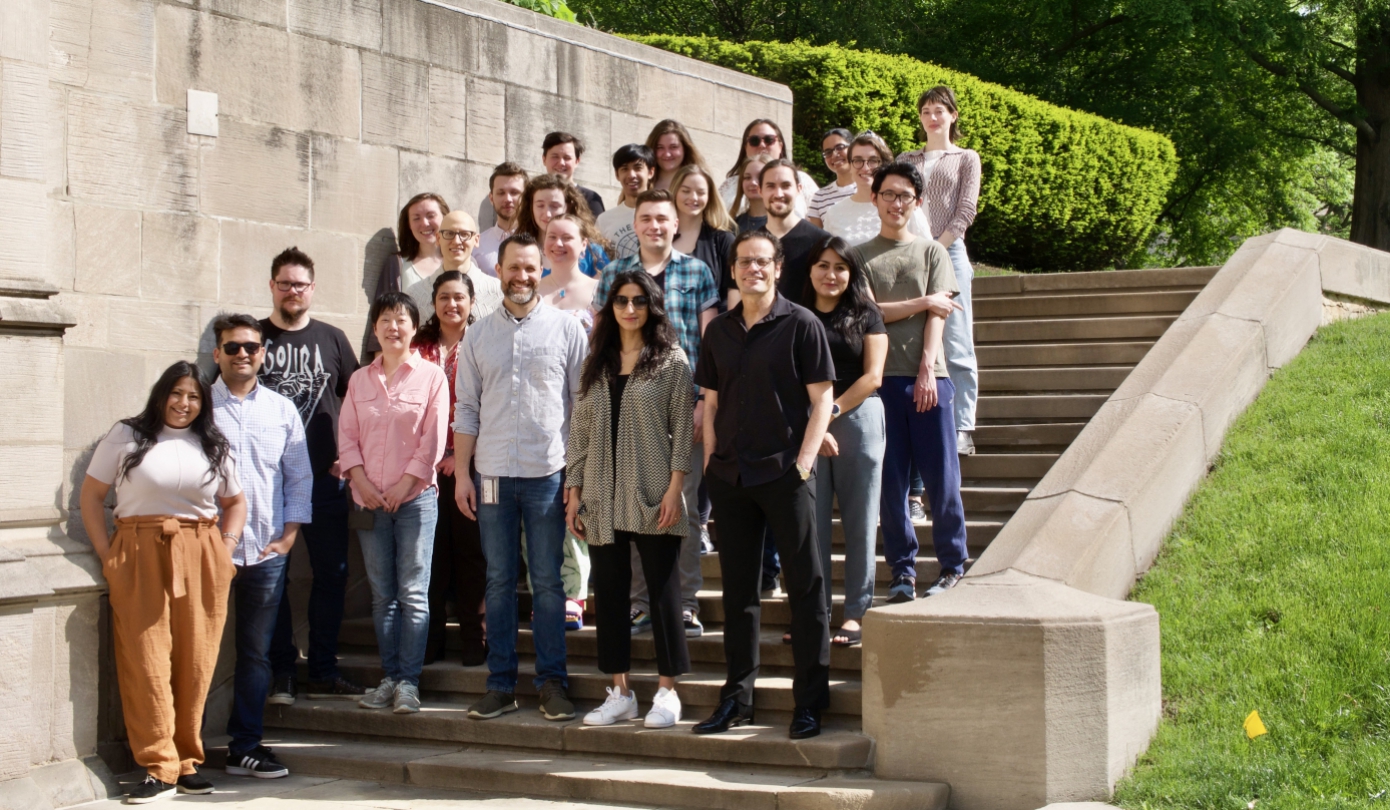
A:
1274,594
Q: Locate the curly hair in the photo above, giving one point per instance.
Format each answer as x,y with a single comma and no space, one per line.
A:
574,204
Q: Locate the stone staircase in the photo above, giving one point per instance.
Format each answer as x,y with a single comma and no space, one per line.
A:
1051,347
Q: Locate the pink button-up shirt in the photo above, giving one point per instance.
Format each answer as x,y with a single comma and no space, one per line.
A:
395,427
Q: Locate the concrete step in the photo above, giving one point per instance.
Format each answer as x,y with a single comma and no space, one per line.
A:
1049,330
1103,280
1005,465
698,690
926,565
1037,406
1058,353
1056,378
1046,434
584,777
1034,305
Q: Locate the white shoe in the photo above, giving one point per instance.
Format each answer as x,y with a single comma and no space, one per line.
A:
617,707
666,710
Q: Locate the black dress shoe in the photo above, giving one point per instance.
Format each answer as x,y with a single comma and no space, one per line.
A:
805,723
728,715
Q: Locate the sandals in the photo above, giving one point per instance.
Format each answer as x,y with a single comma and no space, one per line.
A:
854,636
574,615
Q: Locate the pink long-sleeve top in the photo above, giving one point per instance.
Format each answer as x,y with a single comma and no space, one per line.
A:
395,427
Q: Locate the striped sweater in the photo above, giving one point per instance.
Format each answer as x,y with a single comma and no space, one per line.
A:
952,190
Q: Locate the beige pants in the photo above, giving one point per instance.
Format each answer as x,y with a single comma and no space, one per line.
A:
169,580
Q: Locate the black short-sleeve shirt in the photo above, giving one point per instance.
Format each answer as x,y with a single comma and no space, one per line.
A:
595,202
849,356
311,367
761,376
712,247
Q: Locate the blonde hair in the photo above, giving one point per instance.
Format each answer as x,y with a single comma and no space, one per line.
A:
715,214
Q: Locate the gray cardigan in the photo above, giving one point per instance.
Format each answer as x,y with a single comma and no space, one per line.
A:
654,438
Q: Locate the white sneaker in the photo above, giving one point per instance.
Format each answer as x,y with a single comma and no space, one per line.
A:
666,709
617,707
380,697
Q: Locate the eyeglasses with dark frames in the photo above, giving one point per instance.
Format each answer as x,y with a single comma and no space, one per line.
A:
860,162
894,197
838,148
449,236
297,286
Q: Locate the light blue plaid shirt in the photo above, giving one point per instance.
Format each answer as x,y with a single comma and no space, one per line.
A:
690,289
272,461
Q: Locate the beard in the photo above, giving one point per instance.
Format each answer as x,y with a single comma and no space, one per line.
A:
291,313
522,296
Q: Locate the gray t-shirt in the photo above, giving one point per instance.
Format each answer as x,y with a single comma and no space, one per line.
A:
898,271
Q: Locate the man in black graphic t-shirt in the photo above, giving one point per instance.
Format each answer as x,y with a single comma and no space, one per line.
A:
309,362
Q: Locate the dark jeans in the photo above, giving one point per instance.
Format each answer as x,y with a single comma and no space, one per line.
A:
612,580
459,565
786,508
327,542
258,589
928,439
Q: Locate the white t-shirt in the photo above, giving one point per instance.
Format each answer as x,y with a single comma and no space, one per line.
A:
172,479
729,188
828,196
616,224
857,222
487,293
485,254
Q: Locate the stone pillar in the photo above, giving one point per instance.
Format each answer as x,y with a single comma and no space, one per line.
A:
1003,687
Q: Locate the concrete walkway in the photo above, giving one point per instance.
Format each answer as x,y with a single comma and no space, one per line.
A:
298,792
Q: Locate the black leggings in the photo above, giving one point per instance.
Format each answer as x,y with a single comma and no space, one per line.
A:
612,567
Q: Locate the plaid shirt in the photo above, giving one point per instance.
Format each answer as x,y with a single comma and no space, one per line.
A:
690,290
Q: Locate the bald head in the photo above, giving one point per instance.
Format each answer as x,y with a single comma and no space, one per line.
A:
458,235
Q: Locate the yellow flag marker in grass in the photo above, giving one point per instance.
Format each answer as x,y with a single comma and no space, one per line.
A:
1254,727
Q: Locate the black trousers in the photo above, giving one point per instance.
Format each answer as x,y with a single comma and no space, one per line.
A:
786,507
457,564
612,572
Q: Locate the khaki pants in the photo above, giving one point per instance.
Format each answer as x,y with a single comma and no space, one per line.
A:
169,581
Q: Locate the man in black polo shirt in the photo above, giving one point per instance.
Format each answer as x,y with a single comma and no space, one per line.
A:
767,375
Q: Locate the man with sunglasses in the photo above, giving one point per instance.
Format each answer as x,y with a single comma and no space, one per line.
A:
913,281
309,362
267,439
458,236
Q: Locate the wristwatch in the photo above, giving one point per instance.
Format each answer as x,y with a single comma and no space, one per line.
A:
805,473
834,409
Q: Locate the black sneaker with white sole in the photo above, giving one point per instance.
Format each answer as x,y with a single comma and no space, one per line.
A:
258,762
195,784
150,790
282,691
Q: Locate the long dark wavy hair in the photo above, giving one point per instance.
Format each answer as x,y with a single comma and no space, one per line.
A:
429,330
605,359
852,312
150,422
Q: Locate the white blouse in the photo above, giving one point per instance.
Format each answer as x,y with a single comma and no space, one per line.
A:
171,480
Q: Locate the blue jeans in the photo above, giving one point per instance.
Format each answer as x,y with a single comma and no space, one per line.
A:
326,541
929,439
397,551
258,589
539,503
856,477
959,342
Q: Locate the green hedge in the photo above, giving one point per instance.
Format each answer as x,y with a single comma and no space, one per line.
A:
1062,190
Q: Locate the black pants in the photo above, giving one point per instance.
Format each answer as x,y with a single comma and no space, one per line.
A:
612,572
457,564
326,541
787,508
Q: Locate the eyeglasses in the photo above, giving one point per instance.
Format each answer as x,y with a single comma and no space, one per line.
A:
297,286
232,348
758,262
834,150
762,140
859,163
893,197
450,236
637,301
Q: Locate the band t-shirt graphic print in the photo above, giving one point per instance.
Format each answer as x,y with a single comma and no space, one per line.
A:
311,368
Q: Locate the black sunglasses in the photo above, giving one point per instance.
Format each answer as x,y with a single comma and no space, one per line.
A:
637,301
233,348
762,140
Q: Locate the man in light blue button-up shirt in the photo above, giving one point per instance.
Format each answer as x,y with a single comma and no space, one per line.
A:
517,382
267,440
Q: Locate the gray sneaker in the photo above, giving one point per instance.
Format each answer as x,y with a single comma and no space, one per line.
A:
407,699
943,583
380,697
554,704
903,589
493,704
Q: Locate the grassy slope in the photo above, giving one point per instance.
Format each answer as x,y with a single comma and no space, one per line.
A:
1274,594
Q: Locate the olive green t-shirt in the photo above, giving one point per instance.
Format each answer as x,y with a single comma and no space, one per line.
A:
898,271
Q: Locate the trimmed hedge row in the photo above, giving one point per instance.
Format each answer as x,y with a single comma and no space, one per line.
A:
1062,190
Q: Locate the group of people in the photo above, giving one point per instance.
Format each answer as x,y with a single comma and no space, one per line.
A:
578,388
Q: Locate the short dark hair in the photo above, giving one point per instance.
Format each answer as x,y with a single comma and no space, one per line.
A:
653,195
228,321
632,153
758,234
943,95
779,163
520,239
841,131
554,139
291,255
898,168
506,169
393,300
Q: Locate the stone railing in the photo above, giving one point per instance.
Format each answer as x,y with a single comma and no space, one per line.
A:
1031,683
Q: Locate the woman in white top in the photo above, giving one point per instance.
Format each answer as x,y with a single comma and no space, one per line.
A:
763,138
169,568
419,255
834,150
855,218
566,287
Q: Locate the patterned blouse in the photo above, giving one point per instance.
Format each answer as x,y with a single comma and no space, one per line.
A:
953,189
625,493
430,351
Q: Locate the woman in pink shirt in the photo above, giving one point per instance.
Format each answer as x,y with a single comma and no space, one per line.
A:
391,434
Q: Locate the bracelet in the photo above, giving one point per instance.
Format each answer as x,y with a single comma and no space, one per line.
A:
235,537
